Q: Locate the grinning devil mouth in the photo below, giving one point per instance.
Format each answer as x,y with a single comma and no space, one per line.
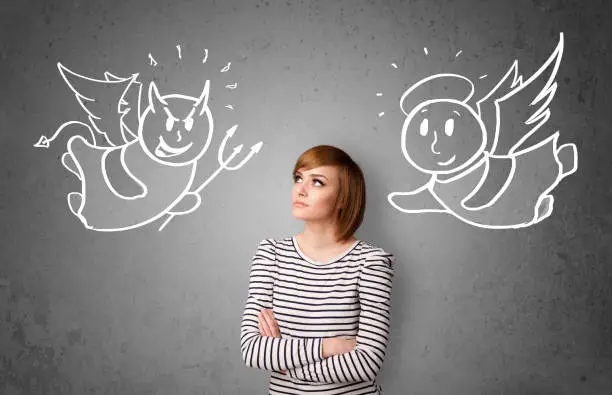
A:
165,151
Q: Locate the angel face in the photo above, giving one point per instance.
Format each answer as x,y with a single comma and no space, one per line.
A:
442,136
176,129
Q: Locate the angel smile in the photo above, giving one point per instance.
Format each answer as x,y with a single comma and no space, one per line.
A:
448,162
166,151
488,179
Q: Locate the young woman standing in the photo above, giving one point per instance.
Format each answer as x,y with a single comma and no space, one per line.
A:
317,314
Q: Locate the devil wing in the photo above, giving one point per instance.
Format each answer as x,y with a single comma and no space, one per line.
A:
112,104
514,110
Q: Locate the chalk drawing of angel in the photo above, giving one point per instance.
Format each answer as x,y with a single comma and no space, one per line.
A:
136,167
478,170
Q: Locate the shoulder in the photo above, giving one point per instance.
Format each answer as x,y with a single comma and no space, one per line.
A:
265,254
373,254
273,244
267,244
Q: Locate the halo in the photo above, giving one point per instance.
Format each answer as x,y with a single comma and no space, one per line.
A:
437,86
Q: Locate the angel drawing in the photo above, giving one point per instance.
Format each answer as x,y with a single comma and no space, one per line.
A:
493,164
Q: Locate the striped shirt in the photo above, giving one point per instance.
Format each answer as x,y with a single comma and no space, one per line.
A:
349,295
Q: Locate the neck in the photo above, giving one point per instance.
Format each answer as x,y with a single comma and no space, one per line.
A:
321,236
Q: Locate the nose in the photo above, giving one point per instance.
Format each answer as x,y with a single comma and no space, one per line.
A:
433,144
301,190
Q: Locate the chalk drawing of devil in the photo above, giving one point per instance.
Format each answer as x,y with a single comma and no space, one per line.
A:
136,167
478,172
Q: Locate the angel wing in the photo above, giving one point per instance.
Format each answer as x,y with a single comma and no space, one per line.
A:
514,109
112,104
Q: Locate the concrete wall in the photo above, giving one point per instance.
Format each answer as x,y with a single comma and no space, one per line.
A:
475,310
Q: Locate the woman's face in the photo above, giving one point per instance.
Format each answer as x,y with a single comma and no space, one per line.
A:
318,189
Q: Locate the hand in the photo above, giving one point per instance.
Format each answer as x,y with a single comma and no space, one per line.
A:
338,345
268,326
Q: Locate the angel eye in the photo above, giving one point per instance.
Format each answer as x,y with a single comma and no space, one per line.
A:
169,123
424,127
449,126
188,124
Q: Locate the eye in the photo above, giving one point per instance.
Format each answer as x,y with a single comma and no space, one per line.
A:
169,123
449,126
315,180
295,178
424,127
188,124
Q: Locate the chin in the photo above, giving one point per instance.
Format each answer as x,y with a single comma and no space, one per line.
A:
300,216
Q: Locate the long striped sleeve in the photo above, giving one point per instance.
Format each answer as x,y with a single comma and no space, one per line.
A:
265,352
364,362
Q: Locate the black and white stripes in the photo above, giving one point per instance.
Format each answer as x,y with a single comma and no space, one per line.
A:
350,296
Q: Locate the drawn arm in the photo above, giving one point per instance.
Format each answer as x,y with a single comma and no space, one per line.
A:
189,202
119,179
418,200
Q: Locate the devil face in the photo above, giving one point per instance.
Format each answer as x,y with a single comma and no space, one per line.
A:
176,129
442,136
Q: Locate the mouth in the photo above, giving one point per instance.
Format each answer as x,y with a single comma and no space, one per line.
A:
163,150
299,204
448,162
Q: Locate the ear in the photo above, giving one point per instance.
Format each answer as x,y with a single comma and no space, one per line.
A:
155,100
202,101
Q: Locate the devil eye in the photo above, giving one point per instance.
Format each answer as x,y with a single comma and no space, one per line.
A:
169,123
188,124
449,126
424,127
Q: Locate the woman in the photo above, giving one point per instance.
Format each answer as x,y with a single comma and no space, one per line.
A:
317,313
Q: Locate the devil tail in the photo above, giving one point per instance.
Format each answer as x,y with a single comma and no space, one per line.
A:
84,130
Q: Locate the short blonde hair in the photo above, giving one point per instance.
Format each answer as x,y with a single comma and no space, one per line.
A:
352,193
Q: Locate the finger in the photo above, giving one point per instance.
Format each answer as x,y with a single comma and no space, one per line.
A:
271,323
266,322
275,328
262,326
274,324
265,326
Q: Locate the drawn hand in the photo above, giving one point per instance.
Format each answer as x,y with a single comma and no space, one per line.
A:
268,326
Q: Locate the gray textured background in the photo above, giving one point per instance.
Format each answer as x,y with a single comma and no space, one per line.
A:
475,311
